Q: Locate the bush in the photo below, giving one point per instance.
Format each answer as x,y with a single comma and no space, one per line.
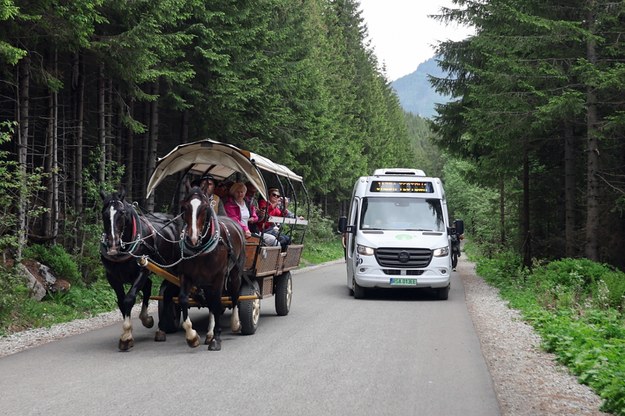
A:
614,292
571,283
60,262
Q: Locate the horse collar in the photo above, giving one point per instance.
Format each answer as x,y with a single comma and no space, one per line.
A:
214,230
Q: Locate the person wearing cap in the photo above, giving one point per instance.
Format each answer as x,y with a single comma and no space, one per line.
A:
207,184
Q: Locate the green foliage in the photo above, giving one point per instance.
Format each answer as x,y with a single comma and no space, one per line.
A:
322,251
10,53
9,186
576,307
571,283
320,228
479,206
13,293
521,85
60,262
14,187
88,260
19,312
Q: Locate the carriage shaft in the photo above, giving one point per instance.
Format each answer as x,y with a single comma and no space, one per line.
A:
144,262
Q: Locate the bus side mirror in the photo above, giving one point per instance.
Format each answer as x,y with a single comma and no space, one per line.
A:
459,225
343,227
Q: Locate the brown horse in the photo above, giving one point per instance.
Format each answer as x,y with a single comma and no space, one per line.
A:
212,265
128,236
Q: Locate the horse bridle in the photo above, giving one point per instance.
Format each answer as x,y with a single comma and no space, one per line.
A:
137,228
204,247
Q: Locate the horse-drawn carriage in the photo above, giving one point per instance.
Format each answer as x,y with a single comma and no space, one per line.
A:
247,269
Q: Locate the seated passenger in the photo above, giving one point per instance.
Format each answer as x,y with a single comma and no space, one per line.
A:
239,210
273,208
252,201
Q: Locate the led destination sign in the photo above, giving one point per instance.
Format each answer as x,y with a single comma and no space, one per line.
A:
402,187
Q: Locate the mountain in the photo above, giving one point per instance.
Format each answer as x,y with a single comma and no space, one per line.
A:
415,93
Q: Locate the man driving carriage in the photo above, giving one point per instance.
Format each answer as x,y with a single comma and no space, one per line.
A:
207,182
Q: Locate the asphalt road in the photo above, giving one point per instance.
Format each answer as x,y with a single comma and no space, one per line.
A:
394,353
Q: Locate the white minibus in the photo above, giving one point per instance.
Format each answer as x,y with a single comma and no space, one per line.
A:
397,232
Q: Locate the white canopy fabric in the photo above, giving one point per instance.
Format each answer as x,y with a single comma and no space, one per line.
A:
218,159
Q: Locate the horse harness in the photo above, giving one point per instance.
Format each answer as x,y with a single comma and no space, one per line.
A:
135,240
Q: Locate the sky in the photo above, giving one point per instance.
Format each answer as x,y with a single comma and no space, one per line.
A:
402,34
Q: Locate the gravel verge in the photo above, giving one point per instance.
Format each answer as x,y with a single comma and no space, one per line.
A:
527,380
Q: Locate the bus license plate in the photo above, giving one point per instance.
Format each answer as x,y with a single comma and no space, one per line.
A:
402,281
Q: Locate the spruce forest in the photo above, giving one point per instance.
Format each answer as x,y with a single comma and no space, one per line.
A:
539,116
94,91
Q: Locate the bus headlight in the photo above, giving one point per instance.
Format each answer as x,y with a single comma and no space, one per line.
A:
441,252
364,250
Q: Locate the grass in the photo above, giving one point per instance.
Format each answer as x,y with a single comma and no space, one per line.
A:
321,252
23,313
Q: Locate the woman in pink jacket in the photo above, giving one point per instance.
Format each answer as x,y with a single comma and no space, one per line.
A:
239,210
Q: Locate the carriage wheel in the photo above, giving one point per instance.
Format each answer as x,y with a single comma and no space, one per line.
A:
283,291
249,310
168,311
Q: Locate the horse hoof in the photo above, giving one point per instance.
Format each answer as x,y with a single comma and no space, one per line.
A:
148,322
208,339
125,345
160,336
193,343
214,345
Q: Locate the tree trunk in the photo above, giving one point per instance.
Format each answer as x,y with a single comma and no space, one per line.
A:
144,150
153,142
592,163
502,211
525,221
80,106
51,216
23,99
102,125
130,156
108,105
48,154
55,156
569,191
78,84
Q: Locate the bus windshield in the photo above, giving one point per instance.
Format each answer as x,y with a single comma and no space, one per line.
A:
397,213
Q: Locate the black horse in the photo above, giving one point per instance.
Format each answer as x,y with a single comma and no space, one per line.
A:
212,265
128,236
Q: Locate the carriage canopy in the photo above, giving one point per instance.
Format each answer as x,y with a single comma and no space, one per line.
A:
220,160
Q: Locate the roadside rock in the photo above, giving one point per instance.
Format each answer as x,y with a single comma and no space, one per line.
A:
41,280
37,289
